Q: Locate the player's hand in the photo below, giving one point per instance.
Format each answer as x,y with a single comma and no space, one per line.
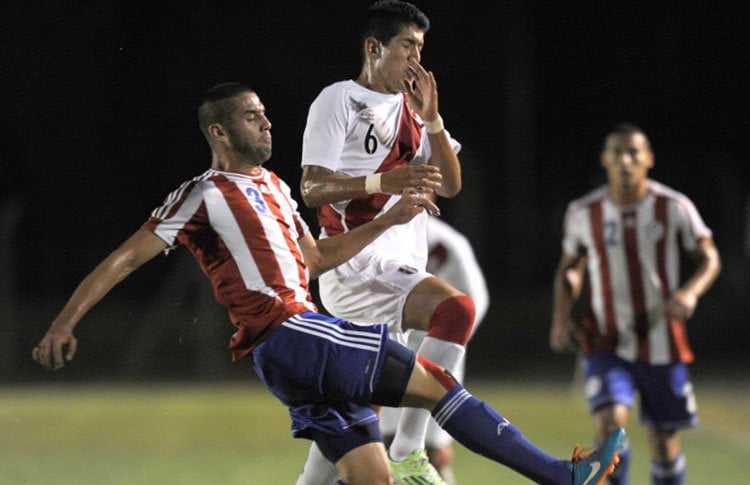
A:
426,178
58,346
564,335
422,91
408,207
681,305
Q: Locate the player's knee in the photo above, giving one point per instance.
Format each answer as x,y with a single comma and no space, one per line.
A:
453,319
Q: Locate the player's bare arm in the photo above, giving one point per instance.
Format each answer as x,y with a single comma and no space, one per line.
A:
59,345
684,300
320,185
423,97
567,288
325,254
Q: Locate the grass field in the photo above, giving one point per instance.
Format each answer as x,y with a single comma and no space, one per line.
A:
238,434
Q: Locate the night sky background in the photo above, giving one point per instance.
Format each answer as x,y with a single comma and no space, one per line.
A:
99,102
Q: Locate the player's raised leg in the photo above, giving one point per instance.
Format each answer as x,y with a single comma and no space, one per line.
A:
447,316
481,429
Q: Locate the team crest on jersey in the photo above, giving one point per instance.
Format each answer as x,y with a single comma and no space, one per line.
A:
655,231
407,270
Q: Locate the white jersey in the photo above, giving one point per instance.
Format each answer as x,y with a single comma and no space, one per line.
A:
355,131
452,259
633,262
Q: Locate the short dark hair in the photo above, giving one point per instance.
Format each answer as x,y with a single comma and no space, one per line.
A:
386,18
215,107
626,128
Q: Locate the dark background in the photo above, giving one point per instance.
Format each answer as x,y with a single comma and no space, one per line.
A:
99,124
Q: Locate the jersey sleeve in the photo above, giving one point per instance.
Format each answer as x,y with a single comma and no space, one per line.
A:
182,214
425,151
325,131
572,229
690,224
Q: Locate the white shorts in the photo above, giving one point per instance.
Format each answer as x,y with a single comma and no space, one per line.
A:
369,289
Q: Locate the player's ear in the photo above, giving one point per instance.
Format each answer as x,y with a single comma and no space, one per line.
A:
216,131
373,48
651,159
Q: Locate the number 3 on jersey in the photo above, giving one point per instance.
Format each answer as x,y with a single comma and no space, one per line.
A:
371,143
256,199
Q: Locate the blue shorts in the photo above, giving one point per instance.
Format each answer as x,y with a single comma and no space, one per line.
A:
667,399
325,369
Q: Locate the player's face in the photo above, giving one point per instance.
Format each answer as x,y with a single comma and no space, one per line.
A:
627,159
248,129
404,47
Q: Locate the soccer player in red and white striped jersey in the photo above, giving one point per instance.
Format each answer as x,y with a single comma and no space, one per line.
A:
627,236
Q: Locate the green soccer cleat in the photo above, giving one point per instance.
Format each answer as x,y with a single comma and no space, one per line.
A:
592,468
416,469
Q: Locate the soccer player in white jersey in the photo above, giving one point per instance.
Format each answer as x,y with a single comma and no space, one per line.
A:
450,258
241,224
626,237
365,140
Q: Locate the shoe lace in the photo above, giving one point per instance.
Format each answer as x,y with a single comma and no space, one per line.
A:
580,453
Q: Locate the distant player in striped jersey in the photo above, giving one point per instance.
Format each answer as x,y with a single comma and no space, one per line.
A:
365,140
626,236
241,224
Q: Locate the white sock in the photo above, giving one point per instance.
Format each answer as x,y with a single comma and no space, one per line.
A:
412,426
318,470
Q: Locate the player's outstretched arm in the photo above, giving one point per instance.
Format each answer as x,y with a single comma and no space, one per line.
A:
423,97
684,300
567,288
58,344
320,185
325,254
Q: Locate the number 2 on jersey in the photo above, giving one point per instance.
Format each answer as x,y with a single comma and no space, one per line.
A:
371,143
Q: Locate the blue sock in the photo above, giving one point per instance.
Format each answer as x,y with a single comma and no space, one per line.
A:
672,473
621,474
478,427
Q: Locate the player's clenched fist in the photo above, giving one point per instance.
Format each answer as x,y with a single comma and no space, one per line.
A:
426,178
57,346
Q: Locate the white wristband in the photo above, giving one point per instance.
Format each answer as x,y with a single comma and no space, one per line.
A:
372,183
435,126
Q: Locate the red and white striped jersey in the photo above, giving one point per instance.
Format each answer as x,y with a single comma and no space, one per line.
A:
633,263
355,131
243,231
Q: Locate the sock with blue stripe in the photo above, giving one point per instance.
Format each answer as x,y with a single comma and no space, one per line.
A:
672,473
477,426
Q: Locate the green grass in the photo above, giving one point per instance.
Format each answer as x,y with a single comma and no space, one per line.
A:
234,434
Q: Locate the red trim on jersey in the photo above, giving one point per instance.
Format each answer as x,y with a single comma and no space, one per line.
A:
330,219
609,342
679,347
364,209
635,278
